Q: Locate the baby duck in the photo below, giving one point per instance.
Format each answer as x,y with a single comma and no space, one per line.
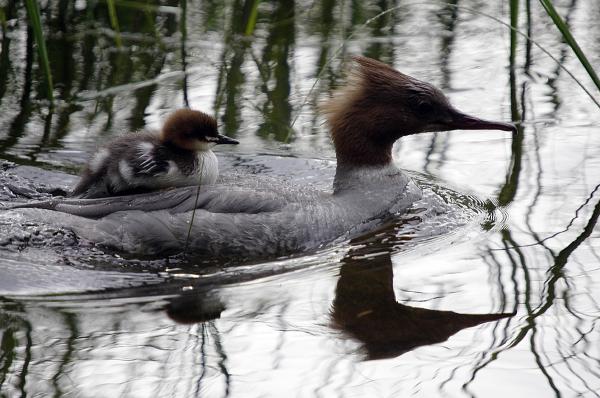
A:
179,155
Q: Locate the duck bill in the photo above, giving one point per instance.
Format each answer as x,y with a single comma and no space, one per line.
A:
223,139
462,121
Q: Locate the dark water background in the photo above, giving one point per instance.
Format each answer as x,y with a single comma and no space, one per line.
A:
410,310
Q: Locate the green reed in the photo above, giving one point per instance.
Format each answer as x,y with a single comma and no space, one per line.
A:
251,24
35,21
566,32
497,20
114,22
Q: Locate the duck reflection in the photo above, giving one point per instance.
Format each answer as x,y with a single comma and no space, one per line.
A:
365,308
195,307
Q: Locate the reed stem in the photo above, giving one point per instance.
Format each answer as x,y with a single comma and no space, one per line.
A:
251,24
35,21
564,30
114,21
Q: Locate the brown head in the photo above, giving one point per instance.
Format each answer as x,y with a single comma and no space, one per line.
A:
379,105
193,131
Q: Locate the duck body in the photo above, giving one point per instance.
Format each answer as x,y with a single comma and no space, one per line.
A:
246,217
254,217
178,155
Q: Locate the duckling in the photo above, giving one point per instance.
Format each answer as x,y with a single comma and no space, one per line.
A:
178,155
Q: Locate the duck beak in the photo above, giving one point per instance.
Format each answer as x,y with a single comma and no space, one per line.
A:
223,139
462,121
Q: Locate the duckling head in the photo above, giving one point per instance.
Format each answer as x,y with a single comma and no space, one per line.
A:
193,130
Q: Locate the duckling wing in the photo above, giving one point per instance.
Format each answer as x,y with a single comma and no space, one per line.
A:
147,161
125,164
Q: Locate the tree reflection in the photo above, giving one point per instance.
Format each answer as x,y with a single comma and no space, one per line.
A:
231,76
15,346
448,18
556,286
275,72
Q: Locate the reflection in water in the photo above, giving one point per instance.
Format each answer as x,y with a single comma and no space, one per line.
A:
17,124
216,332
231,77
365,307
274,66
553,79
448,18
509,190
195,307
380,28
552,294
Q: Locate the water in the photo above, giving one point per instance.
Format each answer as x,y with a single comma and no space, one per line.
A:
493,294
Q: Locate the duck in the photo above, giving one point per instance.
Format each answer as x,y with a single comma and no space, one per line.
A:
266,217
178,155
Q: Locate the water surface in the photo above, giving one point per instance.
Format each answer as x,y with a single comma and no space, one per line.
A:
487,288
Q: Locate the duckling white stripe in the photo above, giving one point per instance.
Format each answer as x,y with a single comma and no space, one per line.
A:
173,171
98,160
125,170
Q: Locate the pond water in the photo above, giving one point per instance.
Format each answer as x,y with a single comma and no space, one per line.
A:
495,293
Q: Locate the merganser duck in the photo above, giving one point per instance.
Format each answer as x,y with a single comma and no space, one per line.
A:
261,217
179,155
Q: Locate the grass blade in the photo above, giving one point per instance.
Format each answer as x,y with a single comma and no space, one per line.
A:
33,13
251,24
114,22
564,30
189,232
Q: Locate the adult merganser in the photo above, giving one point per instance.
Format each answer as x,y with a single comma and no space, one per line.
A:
179,155
254,217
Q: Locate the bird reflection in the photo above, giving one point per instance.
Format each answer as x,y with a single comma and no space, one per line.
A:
195,307
365,308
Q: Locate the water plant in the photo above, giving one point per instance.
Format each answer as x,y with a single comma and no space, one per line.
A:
568,36
35,21
114,22
251,24
561,25
189,231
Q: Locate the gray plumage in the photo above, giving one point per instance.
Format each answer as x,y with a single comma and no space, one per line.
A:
251,218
